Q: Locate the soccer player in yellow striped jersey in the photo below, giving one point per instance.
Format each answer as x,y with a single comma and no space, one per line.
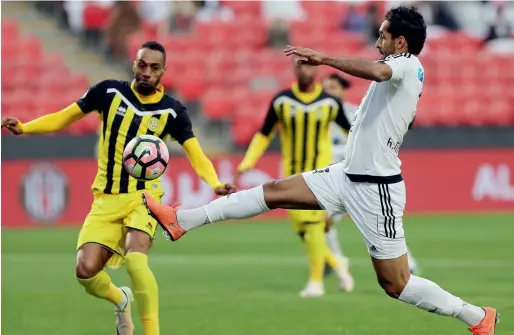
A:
303,114
118,229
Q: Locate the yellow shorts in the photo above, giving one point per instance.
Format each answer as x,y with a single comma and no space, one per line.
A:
109,219
301,217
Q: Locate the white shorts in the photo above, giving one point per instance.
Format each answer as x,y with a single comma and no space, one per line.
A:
376,209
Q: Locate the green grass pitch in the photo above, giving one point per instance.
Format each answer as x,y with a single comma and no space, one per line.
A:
243,279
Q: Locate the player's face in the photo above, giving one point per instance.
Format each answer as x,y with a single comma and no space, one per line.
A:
333,87
385,42
305,74
149,67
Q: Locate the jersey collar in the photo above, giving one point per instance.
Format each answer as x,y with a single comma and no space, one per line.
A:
307,97
148,99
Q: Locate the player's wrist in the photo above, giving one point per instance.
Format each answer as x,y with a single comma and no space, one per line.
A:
324,59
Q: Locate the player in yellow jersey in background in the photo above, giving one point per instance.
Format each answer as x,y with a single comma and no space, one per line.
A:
304,114
118,229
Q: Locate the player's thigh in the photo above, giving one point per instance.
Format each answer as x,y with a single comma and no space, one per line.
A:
141,226
301,218
289,193
104,228
377,210
327,187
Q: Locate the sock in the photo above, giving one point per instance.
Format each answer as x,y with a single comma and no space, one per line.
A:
427,295
240,205
315,244
145,291
333,242
101,286
413,264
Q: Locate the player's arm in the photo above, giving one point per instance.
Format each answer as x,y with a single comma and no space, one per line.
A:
181,130
54,122
357,67
341,119
49,123
260,141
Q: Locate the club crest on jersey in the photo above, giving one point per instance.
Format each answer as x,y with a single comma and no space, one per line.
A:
153,124
421,74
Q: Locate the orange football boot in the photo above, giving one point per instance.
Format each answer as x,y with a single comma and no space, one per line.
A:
165,216
488,324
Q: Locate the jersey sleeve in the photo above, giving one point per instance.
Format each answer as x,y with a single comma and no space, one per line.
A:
341,119
398,64
270,121
180,128
93,99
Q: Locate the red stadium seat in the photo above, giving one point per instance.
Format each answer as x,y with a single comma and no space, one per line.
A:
10,31
217,103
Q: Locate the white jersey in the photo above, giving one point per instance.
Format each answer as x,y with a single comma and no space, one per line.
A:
339,137
381,122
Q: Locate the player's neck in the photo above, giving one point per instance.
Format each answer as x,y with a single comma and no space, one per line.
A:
307,88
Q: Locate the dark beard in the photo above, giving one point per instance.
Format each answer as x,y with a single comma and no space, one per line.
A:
145,90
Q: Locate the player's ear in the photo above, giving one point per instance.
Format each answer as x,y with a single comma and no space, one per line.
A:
165,68
134,67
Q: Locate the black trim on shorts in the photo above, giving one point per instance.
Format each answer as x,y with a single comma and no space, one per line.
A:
387,210
103,246
364,178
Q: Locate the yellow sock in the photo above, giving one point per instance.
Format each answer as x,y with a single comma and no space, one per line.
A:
145,291
101,286
330,259
314,239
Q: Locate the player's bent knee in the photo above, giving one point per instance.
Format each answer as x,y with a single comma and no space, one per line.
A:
87,268
394,287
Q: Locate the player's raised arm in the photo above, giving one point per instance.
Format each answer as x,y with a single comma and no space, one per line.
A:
260,141
181,130
357,67
54,122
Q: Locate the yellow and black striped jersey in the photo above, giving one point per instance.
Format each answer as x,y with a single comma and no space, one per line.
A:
126,114
304,121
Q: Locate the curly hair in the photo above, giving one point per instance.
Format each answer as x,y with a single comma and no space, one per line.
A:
406,21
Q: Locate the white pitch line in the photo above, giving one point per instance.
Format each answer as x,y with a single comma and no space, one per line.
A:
255,260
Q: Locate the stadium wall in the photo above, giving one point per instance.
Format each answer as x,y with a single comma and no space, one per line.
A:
56,192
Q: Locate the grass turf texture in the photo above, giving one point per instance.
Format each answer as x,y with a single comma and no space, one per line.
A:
243,279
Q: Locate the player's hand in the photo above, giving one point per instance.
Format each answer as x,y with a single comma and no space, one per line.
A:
12,124
305,56
225,189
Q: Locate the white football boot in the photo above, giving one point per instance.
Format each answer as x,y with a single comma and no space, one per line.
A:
313,290
124,324
346,282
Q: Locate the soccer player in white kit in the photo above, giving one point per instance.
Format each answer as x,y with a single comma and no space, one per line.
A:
368,184
338,87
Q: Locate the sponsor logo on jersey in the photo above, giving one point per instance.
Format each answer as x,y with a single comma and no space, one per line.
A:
421,74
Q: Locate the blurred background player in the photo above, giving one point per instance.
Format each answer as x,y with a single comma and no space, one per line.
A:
338,86
304,114
118,230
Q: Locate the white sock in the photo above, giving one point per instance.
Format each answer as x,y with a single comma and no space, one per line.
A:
240,205
413,264
333,242
429,296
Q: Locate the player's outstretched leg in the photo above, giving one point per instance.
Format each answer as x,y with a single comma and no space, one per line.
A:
143,281
395,278
288,193
91,259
